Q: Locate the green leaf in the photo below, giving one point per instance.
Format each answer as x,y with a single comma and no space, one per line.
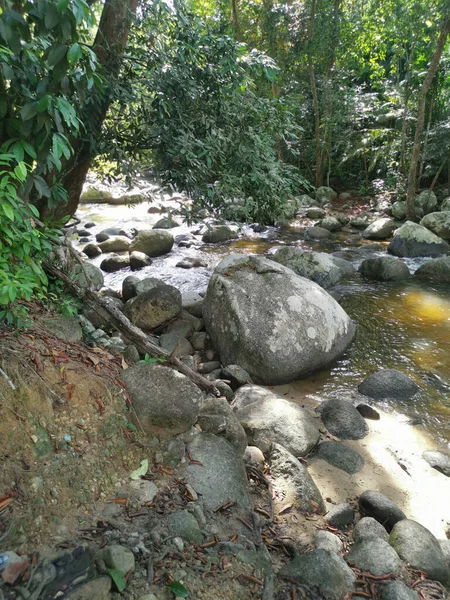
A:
28,111
8,210
118,578
140,471
29,149
44,103
178,589
62,5
74,54
57,53
51,16
21,171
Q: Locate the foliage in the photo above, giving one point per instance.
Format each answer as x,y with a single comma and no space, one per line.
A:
119,579
148,360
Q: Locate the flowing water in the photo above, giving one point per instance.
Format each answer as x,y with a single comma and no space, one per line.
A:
400,325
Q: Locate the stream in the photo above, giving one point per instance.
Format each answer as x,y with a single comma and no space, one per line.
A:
403,325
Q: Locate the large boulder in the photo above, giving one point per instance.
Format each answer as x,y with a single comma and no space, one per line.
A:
437,270
152,242
425,202
398,210
119,243
87,275
271,419
155,307
417,545
388,383
380,229
317,233
438,223
274,324
384,268
218,233
94,196
115,262
324,269
412,239
165,402
378,506
325,194
331,223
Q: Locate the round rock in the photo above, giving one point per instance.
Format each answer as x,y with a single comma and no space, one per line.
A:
341,456
340,515
375,556
412,239
384,268
377,505
153,242
155,307
438,460
342,419
397,590
437,270
367,528
388,383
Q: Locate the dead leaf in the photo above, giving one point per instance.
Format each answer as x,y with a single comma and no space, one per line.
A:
14,571
124,364
94,359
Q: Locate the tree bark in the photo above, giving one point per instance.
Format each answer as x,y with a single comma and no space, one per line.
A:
234,11
315,97
434,65
109,44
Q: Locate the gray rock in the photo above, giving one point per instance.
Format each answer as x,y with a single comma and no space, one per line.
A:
147,284
380,229
368,412
388,383
315,213
209,367
438,460
272,323
165,401
367,528
398,210
324,573
181,327
155,307
397,590
94,196
340,515
148,597
377,505
192,262
325,194
438,223
92,250
342,419
274,420
183,524
131,354
317,233
249,394
87,275
217,417
375,556
331,223
412,239
166,223
153,242
417,545
384,268
139,260
115,244
436,270
224,390
254,455
359,223
115,262
325,540
341,456
199,340
236,375
65,328
118,557
129,287
445,547
170,341
193,303
325,269
425,202
218,233
144,490
222,474
96,588
292,482
445,204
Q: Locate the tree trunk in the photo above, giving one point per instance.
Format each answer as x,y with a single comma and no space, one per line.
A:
315,97
234,11
425,142
434,65
109,44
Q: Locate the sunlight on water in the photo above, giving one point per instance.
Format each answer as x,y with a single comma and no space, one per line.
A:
427,306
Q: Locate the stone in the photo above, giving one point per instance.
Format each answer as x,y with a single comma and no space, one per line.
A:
380,229
292,482
325,540
412,239
417,546
397,590
323,573
131,354
325,194
183,524
445,204
155,307
340,515
438,223
170,341
65,328
273,420
367,528
342,419
199,340
139,260
193,303
445,547
221,476
217,417
165,401
209,367
315,213
96,588
236,375
271,322
317,233
341,456
144,490
359,223
375,556
249,394
224,390
181,327
218,233
92,250
398,210
191,262
253,455
148,597
119,243
89,225
368,412
166,223
129,287
87,275
436,270
425,202
384,268
147,284
331,223
95,196
118,557
388,383
325,269
438,460
152,242
115,262
378,506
